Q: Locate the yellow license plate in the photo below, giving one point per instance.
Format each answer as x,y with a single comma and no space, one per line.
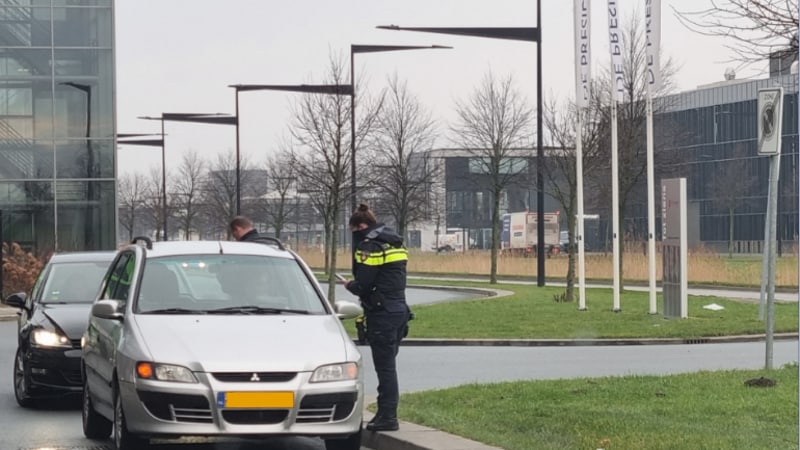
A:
255,399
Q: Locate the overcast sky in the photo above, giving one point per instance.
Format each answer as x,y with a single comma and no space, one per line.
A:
180,56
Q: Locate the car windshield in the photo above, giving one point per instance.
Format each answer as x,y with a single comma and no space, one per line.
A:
74,282
226,284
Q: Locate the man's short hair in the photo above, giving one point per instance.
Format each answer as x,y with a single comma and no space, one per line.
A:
241,222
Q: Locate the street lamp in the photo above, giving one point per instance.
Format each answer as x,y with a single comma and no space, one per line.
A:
213,118
368,49
528,34
333,89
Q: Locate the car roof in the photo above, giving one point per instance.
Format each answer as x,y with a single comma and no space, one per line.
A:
70,257
171,248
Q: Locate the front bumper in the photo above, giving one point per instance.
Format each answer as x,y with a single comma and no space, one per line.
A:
54,371
167,409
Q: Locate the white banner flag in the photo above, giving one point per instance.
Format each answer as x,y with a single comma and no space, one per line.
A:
652,16
583,52
615,41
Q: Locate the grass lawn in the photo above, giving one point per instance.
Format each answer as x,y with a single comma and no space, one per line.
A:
702,411
532,313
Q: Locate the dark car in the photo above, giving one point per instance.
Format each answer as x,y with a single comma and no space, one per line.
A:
51,322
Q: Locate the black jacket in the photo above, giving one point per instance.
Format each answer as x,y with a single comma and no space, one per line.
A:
251,235
380,269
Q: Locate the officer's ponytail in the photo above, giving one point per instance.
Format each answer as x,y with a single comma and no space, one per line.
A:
364,215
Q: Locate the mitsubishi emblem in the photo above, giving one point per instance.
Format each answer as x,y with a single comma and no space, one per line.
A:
255,377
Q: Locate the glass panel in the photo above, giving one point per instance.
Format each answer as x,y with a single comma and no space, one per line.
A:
82,62
28,214
86,217
81,2
25,27
85,159
26,159
78,101
24,63
82,27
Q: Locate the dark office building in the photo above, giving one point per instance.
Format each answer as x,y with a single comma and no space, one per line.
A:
57,124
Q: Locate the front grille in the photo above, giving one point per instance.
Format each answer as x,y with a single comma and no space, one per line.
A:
263,377
177,407
326,407
75,343
254,416
73,377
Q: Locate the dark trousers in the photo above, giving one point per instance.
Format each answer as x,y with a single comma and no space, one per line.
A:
384,333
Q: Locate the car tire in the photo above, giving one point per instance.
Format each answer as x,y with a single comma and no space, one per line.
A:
21,381
352,442
123,439
95,426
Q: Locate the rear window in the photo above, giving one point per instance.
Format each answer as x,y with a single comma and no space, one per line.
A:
74,282
209,282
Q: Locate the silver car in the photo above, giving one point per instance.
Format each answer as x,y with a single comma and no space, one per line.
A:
218,339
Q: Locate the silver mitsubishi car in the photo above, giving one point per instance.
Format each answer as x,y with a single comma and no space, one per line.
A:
210,338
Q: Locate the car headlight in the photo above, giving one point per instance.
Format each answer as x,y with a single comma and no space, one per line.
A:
42,337
164,372
335,372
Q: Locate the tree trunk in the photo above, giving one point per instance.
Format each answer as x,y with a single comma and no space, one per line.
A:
571,247
495,237
730,231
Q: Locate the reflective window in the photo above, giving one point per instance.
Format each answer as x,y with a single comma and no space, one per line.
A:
80,2
84,109
28,213
82,27
25,27
22,158
85,215
24,63
85,159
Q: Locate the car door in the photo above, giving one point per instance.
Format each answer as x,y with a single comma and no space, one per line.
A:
102,335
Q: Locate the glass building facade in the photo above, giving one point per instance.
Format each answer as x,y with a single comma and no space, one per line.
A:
57,124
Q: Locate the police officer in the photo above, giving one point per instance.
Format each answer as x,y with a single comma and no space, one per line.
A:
380,283
242,229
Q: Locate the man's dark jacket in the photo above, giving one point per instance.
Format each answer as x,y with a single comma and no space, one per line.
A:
251,235
380,269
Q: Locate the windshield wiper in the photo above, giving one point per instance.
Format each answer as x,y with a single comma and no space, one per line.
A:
173,311
252,309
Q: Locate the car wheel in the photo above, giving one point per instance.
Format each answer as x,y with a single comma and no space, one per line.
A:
352,442
95,426
123,440
21,382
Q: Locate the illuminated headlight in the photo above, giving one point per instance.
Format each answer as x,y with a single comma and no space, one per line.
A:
49,338
335,372
164,372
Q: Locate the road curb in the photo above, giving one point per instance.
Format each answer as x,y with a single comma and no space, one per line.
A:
421,342
411,436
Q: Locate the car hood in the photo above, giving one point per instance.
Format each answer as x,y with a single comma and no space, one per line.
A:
233,343
72,319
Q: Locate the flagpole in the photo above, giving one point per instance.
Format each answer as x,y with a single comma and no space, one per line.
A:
617,80
653,40
583,61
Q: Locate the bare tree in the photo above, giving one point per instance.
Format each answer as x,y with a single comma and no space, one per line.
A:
404,133
560,123
219,190
730,183
131,192
321,127
154,201
188,191
753,29
494,121
277,207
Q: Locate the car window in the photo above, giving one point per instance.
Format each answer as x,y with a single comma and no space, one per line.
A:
76,282
118,284
209,282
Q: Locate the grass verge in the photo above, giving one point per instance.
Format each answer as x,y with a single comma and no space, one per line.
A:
532,313
705,410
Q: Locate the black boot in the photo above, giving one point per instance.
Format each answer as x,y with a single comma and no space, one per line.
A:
383,422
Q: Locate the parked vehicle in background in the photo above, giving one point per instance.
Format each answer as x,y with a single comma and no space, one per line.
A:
51,323
519,235
208,338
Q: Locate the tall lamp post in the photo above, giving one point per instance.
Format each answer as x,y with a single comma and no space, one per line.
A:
528,34
213,118
355,48
333,89
132,139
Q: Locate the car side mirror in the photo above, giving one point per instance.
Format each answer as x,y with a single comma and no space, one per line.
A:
347,310
17,300
107,309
